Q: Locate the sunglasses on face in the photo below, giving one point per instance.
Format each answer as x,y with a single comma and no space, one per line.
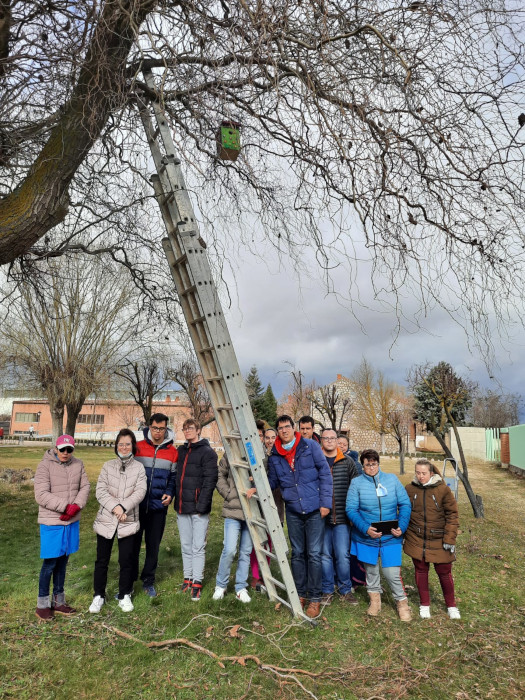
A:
67,449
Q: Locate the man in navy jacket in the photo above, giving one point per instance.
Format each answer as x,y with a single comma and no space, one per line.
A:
298,467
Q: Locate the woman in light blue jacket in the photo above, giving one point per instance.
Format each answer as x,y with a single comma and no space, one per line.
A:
376,497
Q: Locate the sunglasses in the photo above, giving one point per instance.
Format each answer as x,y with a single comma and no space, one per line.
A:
67,449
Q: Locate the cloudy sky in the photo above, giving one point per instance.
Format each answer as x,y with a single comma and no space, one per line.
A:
276,316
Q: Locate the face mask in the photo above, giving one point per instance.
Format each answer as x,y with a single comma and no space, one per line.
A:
289,445
125,456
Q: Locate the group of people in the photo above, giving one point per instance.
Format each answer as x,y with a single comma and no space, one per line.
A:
345,517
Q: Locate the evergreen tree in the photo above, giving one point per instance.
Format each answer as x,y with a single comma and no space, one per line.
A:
254,388
266,406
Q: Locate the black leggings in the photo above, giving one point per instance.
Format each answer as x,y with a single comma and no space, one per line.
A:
125,560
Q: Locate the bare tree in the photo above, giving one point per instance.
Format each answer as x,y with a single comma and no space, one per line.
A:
295,400
381,406
441,400
494,410
66,334
330,405
187,374
145,378
408,115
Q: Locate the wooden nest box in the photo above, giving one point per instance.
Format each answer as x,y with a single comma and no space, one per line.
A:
228,140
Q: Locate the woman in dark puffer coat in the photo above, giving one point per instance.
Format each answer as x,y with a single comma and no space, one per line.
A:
431,534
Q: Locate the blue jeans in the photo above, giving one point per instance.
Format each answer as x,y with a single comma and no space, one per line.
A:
336,559
306,538
232,529
55,567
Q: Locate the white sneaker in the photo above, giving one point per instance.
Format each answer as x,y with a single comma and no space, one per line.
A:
218,593
424,612
453,613
125,604
96,605
243,596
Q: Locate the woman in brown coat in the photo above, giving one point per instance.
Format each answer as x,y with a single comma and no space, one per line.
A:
431,534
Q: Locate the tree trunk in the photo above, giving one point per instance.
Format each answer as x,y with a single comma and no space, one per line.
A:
401,444
57,417
73,409
41,199
475,501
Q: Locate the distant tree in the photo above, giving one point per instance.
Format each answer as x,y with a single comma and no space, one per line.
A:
295,400
266,407
253,386
66,330
441,400
145,378
492,410
330,405
381,406
187,374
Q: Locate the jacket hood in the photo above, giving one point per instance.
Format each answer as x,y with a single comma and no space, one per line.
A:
434,480
168,438
203,442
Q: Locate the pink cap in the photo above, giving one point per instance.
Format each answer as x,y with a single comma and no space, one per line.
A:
64,440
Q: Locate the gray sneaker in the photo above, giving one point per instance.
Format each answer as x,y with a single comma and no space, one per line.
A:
150,591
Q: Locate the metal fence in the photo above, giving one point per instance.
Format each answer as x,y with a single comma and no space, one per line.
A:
493,445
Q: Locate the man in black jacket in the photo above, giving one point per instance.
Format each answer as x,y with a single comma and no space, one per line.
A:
336,544
195,482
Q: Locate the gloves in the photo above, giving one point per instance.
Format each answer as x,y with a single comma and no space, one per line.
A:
449,547
71,510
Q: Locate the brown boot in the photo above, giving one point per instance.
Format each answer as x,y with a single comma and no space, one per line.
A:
375,604
302,601
44,614
349,598
60,606
313,609
404,612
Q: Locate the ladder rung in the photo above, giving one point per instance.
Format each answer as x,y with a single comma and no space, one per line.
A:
226,407
259,523
180,260
201,318
276,582
208,348
188,290
231,437
218,378
267,553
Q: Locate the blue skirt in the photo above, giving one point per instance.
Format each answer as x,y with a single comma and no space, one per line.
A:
391,554
56,540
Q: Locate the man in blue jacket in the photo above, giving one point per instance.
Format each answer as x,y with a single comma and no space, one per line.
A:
298,467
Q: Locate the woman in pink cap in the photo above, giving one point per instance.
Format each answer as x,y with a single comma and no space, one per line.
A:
61,491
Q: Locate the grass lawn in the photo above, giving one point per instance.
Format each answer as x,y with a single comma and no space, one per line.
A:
269,654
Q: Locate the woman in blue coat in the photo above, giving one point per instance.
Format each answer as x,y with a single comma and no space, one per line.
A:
373,497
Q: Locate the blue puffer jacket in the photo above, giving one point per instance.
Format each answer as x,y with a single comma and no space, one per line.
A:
308,486
364,507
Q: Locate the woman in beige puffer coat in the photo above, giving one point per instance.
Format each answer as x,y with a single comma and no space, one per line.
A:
121,487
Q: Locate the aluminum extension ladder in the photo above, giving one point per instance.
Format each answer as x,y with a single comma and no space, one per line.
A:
202,309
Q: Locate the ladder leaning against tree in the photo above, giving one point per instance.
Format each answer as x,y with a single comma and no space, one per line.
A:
188,260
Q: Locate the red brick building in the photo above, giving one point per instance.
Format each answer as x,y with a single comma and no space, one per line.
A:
103,419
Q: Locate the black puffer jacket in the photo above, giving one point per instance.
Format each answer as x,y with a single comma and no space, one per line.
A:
196,478
343,471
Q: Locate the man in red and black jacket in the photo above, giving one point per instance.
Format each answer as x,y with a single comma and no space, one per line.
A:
195,482
159,456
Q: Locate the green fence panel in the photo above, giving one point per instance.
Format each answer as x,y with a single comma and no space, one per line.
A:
493,444
517,446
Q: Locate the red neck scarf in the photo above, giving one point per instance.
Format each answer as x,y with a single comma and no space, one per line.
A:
289,455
